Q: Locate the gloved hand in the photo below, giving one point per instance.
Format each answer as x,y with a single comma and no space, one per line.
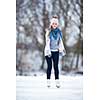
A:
62,53
49,56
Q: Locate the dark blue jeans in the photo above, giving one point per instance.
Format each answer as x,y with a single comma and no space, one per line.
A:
55,58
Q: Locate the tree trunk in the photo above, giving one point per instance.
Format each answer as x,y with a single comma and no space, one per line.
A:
45,25
77,61
71,65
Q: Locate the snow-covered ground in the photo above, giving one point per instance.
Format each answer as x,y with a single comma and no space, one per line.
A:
35,88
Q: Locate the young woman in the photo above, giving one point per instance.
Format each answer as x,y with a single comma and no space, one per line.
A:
54,46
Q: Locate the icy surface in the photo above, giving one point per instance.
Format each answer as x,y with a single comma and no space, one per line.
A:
35,88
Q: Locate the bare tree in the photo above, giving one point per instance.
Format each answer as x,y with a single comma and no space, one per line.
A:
45,26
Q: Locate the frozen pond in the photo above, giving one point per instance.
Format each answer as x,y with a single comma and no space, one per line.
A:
35,88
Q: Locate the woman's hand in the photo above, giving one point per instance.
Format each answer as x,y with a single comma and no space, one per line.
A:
49,56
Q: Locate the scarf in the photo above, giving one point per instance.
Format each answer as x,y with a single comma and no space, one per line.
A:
55,33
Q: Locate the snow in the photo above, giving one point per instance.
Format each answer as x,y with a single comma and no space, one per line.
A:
35,88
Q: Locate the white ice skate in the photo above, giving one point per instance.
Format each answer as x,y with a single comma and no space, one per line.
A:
57,83
48,83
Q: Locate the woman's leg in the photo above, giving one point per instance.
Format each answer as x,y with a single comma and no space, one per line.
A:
55,56
49,64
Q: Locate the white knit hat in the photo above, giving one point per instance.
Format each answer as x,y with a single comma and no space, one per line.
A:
54,20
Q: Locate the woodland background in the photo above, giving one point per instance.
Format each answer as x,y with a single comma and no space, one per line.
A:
32,18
